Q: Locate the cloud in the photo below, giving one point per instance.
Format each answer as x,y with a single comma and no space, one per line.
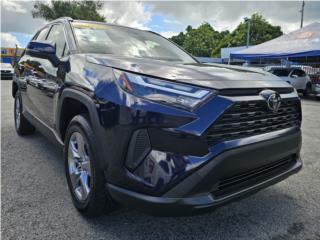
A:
170,21
23,22
175,16
9,40
227,15
132,14
13,6
168,34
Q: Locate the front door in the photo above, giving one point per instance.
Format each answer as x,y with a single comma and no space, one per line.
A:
45,82
298,79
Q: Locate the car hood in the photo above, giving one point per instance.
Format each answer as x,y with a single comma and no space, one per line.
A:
6,66
216,76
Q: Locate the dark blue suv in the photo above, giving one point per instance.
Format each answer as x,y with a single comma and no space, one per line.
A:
144,124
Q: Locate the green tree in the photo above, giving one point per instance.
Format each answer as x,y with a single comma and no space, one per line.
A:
200,41
179,39
204,41
261,31
85,10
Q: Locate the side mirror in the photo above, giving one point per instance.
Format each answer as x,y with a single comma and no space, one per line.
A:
44,50
294,75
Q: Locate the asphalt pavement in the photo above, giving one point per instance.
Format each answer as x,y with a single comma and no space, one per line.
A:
36,203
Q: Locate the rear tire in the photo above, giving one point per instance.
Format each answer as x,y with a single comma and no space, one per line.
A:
22,125
308,90
85,177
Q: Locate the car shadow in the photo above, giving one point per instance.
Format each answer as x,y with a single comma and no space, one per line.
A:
269,211
266,213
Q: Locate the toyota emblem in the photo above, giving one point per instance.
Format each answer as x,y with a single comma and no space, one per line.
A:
272,98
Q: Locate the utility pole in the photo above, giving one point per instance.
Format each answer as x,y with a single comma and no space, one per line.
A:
248,21
302,11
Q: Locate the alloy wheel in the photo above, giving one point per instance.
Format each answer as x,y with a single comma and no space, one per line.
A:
79,166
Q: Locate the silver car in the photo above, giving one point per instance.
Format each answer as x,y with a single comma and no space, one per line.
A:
316,90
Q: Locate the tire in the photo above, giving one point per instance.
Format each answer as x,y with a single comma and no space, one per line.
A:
308,90
22,125
84,175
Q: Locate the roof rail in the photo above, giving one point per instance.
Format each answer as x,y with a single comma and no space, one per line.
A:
64,18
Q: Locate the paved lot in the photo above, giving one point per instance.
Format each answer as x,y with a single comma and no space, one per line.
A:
36,202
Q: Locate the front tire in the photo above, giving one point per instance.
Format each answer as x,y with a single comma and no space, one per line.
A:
308,90
22,125
85,177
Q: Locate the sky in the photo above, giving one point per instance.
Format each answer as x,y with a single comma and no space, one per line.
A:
165,17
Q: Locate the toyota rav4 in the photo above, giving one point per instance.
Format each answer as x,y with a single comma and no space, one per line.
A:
144,124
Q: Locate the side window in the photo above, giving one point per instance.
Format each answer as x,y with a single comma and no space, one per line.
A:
301,73
295,72
56,35
42,34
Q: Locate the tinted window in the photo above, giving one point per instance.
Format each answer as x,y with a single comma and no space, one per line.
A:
42,34
299,72
56,35
280,72
102,38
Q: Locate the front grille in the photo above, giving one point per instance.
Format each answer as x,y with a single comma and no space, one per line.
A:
6,74
251,92
249,118
249,178
5,77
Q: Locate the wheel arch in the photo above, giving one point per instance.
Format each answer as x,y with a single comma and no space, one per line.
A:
14,88
72,103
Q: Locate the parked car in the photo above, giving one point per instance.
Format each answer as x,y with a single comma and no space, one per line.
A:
296,77
6,71
316,90
144,124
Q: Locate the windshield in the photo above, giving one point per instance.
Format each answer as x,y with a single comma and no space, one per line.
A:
107,39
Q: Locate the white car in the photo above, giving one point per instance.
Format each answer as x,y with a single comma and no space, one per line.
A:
296,77
6,71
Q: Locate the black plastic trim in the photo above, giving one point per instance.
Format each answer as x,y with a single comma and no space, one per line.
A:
197,191
167,206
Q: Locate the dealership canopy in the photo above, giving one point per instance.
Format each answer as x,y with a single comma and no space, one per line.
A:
300,43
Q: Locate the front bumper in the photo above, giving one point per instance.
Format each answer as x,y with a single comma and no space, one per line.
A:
229,175
317,91
158,158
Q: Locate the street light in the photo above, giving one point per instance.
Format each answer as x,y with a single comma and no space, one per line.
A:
302,11
248,21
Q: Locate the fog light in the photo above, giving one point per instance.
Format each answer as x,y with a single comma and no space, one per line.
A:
138,149
159,168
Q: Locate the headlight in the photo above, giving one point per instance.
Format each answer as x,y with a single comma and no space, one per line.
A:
180,95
